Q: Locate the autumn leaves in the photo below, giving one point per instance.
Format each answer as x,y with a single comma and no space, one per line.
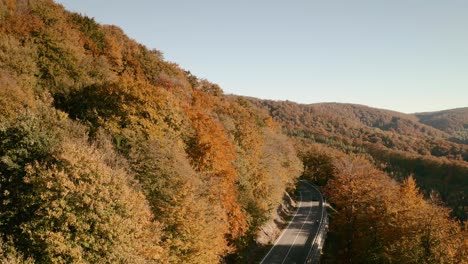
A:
108,153
379,220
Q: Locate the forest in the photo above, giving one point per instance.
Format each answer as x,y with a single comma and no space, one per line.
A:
111,154
397,186
377,219
396,143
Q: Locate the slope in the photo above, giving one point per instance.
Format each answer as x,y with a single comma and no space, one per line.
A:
110,153
454,122
398,143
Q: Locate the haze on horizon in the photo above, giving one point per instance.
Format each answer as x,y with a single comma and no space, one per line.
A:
408,56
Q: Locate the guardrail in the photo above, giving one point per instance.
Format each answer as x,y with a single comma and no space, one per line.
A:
317,243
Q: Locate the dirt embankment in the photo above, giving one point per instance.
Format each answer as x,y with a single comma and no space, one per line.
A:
271,229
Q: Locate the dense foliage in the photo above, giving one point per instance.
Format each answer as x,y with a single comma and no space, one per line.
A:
454,122
346,148
380,221
377,219
396,142
109,154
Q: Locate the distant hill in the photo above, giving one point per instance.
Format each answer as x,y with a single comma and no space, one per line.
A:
453,121
354,125
386,120
399,143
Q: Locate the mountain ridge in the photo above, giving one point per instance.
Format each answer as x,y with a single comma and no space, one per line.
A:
416,117
399,142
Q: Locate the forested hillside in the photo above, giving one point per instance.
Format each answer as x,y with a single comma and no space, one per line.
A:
377,219
110,154
370,163
398,143
454,122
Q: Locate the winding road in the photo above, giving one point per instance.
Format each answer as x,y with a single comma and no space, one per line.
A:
293,245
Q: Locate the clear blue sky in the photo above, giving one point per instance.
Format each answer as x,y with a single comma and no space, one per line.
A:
404,55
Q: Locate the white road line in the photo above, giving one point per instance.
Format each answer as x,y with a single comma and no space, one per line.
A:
284,230
294,242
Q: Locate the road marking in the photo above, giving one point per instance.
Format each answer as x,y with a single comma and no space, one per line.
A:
284,230
300,230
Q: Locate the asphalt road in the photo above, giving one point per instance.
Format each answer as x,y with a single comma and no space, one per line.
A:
293,245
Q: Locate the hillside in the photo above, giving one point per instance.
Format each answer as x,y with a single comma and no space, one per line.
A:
370,162
110,154
399,142
454,122
355,125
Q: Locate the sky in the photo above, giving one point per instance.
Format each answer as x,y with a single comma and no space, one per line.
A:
404,55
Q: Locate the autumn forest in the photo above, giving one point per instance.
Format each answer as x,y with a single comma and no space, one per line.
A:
111,154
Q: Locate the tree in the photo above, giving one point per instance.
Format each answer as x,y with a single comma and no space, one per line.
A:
63,200
176,194
213,154
379,221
